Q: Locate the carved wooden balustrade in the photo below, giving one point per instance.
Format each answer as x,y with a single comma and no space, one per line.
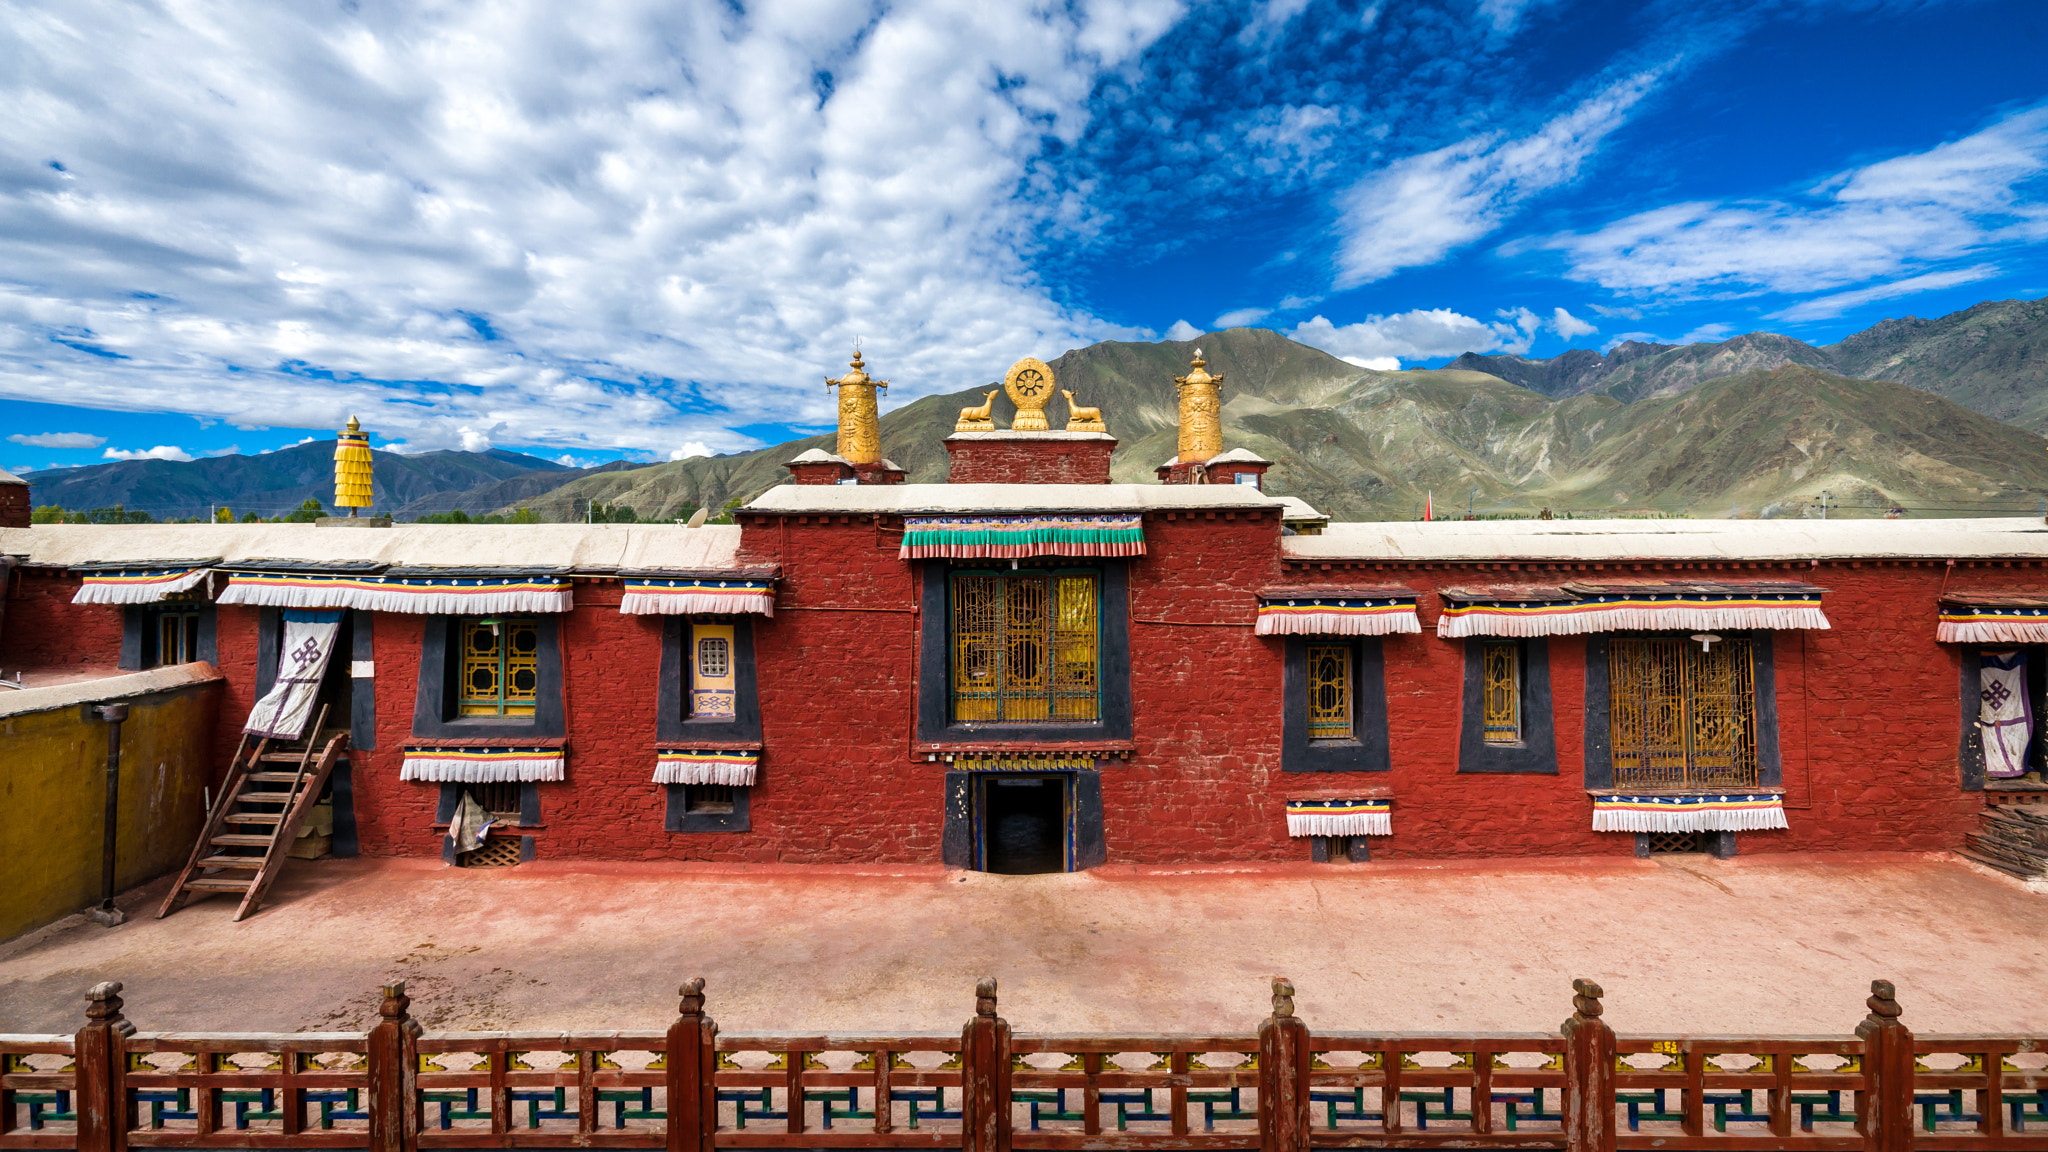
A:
693,1088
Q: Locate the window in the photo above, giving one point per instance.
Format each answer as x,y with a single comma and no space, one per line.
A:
501,798
1329,692
1682,714
1251,478
171,638
1026,647
707,799
499,667
1501,691
713,687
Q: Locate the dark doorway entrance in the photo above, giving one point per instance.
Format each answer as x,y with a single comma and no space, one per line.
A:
1024,824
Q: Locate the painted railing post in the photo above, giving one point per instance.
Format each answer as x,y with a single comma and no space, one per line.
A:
1588,1073
692,1067
394,1064
985,1075
1886,1117
101,1060
1283,1075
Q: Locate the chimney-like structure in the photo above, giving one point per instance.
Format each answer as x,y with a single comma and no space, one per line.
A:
352,465
14,502
1201,427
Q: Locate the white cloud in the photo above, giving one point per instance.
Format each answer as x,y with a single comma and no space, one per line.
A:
1569,326
693,448
160,452
1419,209
1376,363
1885,221
1271,19
1182,330
1823,307
1706,334
628,224
1240,318
309,440
1417,335
59,440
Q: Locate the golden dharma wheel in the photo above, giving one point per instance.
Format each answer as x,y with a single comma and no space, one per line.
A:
1030,386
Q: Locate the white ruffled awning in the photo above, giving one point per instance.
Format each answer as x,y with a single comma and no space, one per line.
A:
440,594
697,594
1993,618
1335,611
1717,812
705,766
1578,609
483,765
142,584
1366,816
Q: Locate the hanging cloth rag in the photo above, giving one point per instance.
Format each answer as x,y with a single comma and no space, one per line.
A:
2004,715
308,642
471,824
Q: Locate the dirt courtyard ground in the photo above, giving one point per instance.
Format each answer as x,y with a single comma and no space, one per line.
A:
1782,944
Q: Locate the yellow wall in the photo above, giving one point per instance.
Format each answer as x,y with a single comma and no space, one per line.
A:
53,772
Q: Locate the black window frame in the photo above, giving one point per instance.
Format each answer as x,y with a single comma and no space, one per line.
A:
1535,754
139,630
1366,750
437,702
935,680
1599,750
673,724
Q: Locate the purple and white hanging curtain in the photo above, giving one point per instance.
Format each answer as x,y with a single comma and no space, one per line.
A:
283,712
2004,715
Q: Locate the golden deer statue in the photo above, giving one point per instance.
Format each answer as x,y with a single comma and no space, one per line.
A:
979,418
1081,419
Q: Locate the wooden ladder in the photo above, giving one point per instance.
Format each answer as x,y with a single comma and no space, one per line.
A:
274,801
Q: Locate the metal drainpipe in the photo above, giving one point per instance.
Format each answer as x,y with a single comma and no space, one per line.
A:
106,914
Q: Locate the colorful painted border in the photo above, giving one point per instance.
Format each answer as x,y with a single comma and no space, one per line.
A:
653,596
734,769
1719,812
1338,616
1612,612
1015,537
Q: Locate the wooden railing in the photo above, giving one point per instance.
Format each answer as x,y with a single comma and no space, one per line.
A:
693,1088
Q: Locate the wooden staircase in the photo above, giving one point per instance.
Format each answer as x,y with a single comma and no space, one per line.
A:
2013,839
272,785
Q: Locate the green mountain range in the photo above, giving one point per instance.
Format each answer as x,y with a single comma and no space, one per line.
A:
1936,416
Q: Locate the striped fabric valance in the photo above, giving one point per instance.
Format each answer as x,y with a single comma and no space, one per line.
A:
1337,612
432,595
1370,817
1577,609
1724,812
1020,536
482,765
684,596
138,585
1992,618
686,766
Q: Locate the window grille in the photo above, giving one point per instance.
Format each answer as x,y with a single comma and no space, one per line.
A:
500,667
496,852
1026,648
1329,692
708,798
714,658
1501,691
1675,843
1681,716
498,797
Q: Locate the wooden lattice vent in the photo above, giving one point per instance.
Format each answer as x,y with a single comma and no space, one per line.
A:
1676,843
497,852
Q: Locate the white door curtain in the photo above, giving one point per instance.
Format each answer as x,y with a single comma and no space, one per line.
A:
302,659
2004,714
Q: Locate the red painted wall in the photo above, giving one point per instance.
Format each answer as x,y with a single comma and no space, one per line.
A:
43,629
1029,461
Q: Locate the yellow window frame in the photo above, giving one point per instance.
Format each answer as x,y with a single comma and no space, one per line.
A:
1331,691
1500,691
1682,715
1026,646
500,666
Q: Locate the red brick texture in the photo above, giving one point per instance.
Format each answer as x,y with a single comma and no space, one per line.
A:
1035,461
1868,711
14,506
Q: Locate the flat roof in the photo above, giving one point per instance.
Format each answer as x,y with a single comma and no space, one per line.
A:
575,547
964,499
1483,540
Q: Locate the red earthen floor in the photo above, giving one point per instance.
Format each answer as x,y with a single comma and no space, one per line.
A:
1783,944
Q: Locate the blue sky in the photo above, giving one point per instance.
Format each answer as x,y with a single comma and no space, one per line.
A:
647,228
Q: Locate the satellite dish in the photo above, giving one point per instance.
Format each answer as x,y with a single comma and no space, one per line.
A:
697,518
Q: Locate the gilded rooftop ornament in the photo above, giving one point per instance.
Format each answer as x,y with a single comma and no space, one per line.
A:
1030,386
1081,419
352,464
860,430
978,418
1201,412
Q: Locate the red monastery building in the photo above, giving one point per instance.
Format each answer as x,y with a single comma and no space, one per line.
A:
1040,670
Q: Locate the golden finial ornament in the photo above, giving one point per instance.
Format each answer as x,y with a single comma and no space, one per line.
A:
1030,386
352,463
1201,412
1081,419
860,429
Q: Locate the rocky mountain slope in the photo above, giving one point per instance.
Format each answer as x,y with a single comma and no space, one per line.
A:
1362,444
276,482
